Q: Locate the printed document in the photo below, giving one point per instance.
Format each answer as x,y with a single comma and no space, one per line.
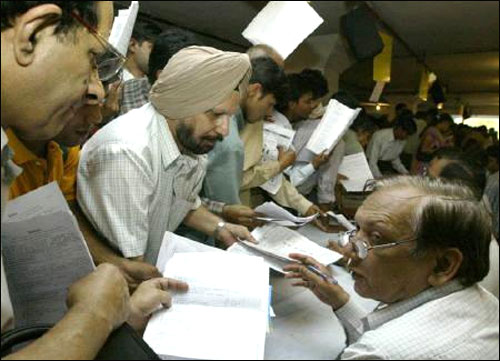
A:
283,25
123,25
334,124
355,167
224,314
276,243
44,253
279,216
275,136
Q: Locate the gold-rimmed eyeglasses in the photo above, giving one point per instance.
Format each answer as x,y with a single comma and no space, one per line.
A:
110,63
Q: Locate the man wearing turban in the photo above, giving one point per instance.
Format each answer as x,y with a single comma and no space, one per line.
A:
140,175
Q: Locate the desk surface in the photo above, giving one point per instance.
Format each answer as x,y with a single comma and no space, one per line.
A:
305,328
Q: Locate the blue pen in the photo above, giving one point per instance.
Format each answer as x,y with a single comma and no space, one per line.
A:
326,277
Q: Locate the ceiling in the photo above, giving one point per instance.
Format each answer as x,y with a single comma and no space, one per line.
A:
458,40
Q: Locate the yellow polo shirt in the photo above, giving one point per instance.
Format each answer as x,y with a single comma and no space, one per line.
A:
38,172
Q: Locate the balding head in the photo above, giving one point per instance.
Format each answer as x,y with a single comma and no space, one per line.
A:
263,50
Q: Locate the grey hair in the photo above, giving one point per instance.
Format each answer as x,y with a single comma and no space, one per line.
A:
447,215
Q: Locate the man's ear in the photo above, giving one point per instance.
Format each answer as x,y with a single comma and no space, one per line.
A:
254,90
132,46
447,264
28,28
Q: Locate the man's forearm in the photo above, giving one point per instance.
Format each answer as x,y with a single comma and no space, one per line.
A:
99,250
202,220
79,335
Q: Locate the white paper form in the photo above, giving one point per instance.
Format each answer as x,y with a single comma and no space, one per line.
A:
342,220
44,200
224,314
123,25
276,243
275,136
43,256
334,124
355,167
277,215
283,25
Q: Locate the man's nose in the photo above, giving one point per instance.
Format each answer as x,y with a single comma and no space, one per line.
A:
95,92
223,127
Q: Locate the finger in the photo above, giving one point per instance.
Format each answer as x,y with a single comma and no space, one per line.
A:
173,284
293,275
247,235
310,276
307,260
301,284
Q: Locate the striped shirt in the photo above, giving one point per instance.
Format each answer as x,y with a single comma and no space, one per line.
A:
134,184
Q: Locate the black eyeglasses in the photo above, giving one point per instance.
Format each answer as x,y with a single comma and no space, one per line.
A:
110,63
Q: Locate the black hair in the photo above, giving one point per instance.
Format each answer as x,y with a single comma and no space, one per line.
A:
272,78
317,80
165,46
440,118
145,31
364,123
299,84
401,106
86,9
346,98
406,121
492,151
467,173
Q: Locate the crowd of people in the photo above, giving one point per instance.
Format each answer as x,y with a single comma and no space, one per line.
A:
174,137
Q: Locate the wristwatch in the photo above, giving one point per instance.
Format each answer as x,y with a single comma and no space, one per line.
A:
220,225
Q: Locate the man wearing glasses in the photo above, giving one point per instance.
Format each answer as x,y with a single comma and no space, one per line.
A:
421,248
49,52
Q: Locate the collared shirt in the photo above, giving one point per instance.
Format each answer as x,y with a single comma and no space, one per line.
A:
135,94
447,322
37,172
383,146
225,165
127,75
134,184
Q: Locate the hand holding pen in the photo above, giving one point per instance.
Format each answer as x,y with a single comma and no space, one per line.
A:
311,274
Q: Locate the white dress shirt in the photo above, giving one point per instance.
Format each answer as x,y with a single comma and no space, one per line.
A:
134,184
448,322
383,146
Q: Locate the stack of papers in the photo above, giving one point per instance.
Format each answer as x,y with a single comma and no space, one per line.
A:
224,315
123,25
276,243
334,124
279,216
355,167
44,253
283,25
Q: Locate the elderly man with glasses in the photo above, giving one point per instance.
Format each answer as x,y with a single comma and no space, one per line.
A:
421,248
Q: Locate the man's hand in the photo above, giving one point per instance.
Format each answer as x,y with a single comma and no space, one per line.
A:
320,159
286,158
332,295
103,294
230,233
151,296
320,222
243,215
136,272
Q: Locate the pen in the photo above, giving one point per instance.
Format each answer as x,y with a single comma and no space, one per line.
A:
326,277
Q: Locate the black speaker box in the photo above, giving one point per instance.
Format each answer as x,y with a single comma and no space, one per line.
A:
359,28
437,93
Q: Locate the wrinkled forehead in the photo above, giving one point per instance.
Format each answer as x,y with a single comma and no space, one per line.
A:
391,206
